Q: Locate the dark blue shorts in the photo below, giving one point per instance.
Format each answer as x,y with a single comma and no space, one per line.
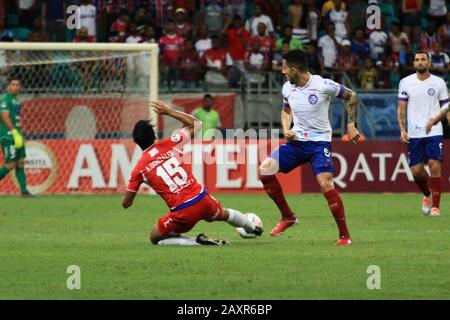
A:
424,149
295,153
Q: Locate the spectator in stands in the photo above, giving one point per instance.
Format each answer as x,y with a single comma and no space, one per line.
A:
277,59
53,19
287,35
411,18
88,17
368,77
274,10
183,26
398,39
298,18
213,17
83,36
440,62
266,42
210,118
140,18
429,37
357,14
339,17
5,34
313,14
186,63
256,62
203,41
37,33
347,62
313,58
238,39
328,48
119,27
162,12
216,62
444,34
360,46
437,12
388,67
133,35
330,5
406,61
170,45
150,35
235,7
377,40
251,25
28,9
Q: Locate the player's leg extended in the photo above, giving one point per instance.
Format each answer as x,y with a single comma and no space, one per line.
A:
238,220
325,180
435,185
6,168
268,168
168,237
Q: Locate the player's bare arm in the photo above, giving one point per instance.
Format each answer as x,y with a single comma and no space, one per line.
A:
7,120
286,120
438,118
128,199
401,116
192,124
351,104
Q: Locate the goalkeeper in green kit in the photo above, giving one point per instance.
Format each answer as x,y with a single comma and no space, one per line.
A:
11,139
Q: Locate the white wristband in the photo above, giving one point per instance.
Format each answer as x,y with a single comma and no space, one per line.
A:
445,108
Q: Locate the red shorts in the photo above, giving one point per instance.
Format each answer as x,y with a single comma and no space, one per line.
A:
181,221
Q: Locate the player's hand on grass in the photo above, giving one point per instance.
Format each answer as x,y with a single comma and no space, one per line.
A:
18,139
289,135
404,137
353,133
160,107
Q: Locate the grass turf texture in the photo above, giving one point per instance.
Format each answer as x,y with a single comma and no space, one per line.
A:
41,237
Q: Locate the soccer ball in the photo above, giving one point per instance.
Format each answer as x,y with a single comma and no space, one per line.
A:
253,218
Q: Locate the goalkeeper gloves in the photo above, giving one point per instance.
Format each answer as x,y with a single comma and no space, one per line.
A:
18,139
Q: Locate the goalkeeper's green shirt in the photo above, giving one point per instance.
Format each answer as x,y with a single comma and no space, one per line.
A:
9,103
210,121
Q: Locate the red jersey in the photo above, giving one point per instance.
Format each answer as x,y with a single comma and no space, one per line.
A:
161,167
236,48
266,44
170,45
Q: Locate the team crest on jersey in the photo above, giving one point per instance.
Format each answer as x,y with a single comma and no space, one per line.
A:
175,138
327,152
313,99
431,92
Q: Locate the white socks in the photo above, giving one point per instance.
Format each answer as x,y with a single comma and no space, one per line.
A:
238,220
178,241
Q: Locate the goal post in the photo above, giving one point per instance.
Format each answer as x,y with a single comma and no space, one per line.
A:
79,103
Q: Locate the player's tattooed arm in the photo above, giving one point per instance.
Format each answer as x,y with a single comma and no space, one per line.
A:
351,104
192,124
401,115
286,121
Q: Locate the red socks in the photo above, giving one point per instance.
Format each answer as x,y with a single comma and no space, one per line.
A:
337,209
435,185
274,190
422,183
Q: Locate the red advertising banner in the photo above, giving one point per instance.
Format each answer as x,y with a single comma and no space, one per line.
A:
103,166
373,166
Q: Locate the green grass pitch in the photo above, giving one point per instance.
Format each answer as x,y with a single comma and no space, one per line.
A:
41,237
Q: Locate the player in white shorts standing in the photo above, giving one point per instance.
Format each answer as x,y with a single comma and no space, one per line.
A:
421,95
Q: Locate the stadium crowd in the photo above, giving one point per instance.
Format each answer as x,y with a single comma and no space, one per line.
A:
219,42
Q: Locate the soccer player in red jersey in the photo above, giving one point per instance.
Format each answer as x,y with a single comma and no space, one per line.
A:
162,168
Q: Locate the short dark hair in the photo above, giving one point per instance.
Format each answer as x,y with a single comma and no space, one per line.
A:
297,59
144,134
207,96
422,52
13,78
